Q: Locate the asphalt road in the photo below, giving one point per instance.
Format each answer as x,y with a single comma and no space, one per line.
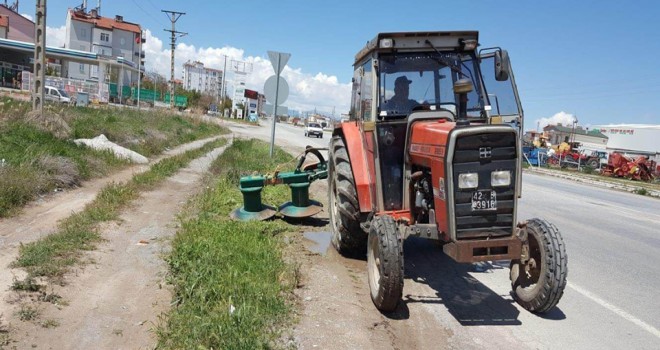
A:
611,301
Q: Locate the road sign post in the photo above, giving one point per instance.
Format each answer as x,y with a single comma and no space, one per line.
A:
276,89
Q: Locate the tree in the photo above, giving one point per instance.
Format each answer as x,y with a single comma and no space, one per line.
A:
226,103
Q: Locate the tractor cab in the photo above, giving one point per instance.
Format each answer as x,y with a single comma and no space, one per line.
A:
399,73
400,77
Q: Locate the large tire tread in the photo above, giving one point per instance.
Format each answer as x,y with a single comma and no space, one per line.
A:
556,268
348,237
390,250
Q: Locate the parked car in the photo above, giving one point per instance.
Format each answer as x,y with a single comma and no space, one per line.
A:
56,95
314,129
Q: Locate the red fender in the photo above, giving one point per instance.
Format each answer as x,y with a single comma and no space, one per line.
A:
360,152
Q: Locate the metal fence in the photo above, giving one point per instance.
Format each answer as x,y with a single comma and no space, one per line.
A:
71,86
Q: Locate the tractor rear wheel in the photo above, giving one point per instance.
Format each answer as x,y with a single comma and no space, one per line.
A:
539,284
347,236
385,263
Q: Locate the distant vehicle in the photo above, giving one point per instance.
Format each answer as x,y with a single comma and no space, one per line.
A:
213,109
313,129
253,118
56,95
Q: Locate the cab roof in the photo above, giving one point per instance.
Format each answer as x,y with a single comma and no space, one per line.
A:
412,41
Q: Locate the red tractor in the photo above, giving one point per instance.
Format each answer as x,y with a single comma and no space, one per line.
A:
433,149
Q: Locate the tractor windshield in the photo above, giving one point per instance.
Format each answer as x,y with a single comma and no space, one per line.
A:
425,81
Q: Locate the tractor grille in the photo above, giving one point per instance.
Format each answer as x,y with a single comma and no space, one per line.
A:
484,153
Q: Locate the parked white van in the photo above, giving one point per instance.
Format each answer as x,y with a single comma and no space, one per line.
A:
56,95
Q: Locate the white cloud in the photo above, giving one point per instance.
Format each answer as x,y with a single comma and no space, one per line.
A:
307,91
27,16
55,36
561,117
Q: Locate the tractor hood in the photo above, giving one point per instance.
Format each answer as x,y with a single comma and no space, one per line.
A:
430,133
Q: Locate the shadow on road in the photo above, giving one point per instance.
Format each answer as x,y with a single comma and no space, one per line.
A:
309,221
466,299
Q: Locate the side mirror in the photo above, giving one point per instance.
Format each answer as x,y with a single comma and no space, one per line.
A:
501,65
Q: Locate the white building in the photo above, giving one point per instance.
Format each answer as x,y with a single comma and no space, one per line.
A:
642,139
88,31
202,79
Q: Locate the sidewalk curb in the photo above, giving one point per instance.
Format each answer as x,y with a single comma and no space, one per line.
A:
595,182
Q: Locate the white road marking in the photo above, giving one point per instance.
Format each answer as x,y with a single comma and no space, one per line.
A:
645,326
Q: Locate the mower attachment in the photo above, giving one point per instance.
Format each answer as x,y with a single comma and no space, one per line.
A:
298,180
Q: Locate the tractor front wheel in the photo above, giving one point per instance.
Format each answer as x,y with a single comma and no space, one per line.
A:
385,263
539,283
347,236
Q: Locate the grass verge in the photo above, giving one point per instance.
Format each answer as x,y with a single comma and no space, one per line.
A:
230,281
52,255
33,160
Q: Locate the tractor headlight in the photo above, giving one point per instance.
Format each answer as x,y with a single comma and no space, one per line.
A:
500,178
468,180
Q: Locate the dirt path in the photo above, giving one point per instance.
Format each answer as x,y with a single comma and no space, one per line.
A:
115,303
40,219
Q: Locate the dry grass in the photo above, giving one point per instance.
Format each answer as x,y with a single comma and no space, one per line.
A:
61,172
50,122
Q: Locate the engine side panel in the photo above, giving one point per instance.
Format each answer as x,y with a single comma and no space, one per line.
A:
428,147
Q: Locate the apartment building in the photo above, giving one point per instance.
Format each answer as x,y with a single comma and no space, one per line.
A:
15,26
112,37
202,79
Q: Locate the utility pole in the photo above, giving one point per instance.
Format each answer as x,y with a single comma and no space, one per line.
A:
173,17
140,67
39,57
224,90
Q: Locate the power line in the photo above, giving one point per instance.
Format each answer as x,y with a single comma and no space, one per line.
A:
148,13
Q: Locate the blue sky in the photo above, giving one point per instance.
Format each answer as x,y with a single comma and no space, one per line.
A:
591,59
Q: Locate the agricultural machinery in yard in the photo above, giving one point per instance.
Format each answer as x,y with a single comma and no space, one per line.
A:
619,165
433,149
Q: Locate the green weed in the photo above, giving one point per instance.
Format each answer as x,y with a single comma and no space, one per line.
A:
642,191
28,312
50,323
29,284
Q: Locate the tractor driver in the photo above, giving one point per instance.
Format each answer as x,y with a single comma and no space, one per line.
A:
400,101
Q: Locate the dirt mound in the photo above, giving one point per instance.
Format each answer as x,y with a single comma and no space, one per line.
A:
50,122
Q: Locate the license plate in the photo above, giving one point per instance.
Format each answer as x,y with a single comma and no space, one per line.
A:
484,200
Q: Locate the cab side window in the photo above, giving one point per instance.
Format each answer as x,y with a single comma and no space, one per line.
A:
366,91
356,110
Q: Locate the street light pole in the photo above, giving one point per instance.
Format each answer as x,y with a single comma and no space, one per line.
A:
139,71
224,81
